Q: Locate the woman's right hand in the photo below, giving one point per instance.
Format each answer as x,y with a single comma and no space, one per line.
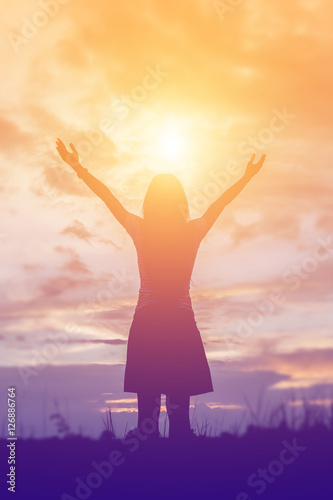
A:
72,158
253,168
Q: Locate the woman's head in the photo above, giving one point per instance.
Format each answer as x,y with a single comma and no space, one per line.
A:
165,198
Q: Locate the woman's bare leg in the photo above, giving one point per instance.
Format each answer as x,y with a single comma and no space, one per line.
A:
178,407
148,412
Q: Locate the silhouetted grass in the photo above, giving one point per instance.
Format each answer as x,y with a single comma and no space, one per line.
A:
205,466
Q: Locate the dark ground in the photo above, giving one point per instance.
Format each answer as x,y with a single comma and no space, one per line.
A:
205,467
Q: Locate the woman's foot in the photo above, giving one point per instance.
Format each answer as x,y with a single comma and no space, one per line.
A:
141,435
184,435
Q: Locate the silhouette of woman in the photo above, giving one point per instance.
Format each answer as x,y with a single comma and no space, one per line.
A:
165,353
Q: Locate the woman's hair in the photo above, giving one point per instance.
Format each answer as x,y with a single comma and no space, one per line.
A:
165,198
165,234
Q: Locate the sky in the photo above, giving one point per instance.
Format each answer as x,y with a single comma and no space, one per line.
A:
187,87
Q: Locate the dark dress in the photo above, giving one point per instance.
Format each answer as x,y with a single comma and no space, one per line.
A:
165,353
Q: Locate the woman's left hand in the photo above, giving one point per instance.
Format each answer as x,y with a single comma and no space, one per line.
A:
253,168
72,158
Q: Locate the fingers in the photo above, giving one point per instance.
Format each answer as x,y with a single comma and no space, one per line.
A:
61,148
60,145
70,157
262,159
254,167
73,148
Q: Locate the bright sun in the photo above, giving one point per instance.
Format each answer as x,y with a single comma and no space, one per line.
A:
169,147
171,143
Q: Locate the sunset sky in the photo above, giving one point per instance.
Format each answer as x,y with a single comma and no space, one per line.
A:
188,87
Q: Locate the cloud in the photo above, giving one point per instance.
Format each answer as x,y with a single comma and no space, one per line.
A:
74,264
56,181
32,267
304,366
12,138
62,285
79,230
224,78
98,341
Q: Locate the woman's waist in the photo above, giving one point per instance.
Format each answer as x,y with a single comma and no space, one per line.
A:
164,299
165,292
164,304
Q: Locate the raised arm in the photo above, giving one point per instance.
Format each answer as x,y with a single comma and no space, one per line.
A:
102,191
215,209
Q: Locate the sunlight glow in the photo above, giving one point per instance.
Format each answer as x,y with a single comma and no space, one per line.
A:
213,406
170,143
168,150
318,402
